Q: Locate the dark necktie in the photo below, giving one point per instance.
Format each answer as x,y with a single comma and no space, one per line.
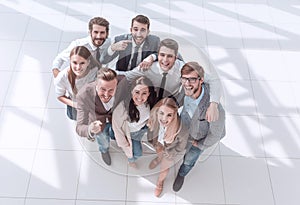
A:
134,58
98,54
162,86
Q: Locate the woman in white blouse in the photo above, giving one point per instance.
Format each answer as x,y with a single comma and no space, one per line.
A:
83,69
130,117
169,136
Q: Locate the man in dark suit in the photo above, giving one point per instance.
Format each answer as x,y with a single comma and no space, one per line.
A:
133,48
95,103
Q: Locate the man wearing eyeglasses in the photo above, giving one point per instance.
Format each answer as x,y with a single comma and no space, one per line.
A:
202,134
165,75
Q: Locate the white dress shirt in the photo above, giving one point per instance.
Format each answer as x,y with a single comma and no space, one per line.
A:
63,86
64,56
173,81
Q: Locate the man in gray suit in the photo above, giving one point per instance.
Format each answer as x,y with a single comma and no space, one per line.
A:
202,134
133,48
95,103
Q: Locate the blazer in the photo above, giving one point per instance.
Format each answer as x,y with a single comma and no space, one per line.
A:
90,107
206,133
150,46
177,146
121,129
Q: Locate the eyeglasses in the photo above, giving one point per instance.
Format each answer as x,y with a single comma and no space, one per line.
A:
190,80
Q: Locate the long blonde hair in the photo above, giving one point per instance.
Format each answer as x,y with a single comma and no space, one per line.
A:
174,127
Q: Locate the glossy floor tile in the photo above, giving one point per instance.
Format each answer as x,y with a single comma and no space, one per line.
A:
253,46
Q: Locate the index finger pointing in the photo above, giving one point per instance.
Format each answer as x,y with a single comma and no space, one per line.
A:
127,41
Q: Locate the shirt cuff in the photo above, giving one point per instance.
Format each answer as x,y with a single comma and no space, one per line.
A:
154,57
110,51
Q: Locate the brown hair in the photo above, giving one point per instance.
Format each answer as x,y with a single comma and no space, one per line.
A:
133,112
106,74
192,66
99,21
141,19
169,43
82,52
173,128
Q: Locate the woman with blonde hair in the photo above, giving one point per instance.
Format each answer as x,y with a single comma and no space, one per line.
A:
169,136
83,69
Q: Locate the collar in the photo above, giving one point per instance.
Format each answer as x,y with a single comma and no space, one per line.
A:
109,104
193,101
161,71
134,44
90,42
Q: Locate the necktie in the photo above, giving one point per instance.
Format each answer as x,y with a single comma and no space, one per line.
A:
98,54
162,86
134,58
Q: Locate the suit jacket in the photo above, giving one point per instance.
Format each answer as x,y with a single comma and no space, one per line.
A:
175,147
90,107
206,133
150,46
121,129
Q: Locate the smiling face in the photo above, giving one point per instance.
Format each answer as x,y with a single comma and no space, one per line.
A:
98,35
191,84
78,65
106,89
165,115
166,58
139,32
140,94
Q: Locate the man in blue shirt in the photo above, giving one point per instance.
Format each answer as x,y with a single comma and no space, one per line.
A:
202,133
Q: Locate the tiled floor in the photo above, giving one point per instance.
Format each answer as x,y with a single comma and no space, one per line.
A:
255,48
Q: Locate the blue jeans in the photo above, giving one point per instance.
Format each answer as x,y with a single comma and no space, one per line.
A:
190,158
71,112
103,138
136,138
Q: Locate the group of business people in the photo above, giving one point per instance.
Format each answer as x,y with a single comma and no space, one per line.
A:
139,96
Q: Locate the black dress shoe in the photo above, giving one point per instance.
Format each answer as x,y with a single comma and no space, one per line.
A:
178,183
106,158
